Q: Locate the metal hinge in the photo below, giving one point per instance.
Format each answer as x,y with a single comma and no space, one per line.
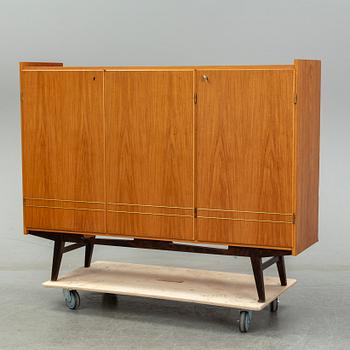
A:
195,98
295,99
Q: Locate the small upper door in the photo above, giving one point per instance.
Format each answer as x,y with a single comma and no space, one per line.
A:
149,148
63,150
244,145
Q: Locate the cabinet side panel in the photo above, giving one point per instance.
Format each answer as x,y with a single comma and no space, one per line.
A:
307,114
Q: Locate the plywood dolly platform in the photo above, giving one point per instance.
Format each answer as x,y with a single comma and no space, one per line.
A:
162,282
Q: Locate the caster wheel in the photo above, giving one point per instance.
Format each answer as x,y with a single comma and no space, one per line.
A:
109,299
245,319
274,305
110,296
71,298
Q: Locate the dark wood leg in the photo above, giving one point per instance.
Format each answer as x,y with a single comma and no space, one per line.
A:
89,248
282,270
57,258
258,276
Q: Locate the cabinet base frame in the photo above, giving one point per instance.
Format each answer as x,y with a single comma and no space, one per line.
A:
78,241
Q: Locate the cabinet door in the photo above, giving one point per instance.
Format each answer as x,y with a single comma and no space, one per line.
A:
149,135
245,156
63,150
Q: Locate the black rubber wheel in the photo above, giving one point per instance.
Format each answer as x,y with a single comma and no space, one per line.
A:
274,305
109,299
71,298
245,319
110,295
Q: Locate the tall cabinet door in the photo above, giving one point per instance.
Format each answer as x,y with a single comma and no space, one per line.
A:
63,150
149,147
244,148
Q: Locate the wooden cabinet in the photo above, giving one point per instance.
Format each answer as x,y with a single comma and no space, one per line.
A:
223,155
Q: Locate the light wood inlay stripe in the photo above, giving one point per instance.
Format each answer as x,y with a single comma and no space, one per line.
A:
65,208
150,205
154,214
249,220
61,200
246,211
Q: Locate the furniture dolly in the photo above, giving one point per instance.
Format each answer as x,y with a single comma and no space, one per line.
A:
173,158
188,285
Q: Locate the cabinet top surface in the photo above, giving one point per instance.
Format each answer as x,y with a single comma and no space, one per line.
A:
37,67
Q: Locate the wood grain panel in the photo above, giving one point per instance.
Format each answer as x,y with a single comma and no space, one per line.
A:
245,140
149,147
245,233
244,145
150,225
307,116
63,144
22,66
65,219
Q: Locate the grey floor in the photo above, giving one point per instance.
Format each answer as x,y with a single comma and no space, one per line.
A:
312,315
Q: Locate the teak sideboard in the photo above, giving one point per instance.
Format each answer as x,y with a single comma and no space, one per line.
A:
207,154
